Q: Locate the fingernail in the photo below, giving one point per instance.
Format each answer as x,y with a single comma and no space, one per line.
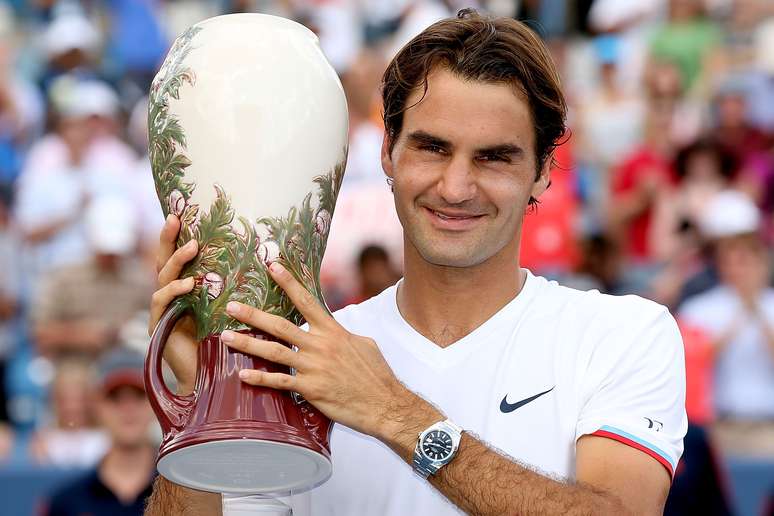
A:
276,268
168,220
232,307
244,374
190,244
227,336
189,281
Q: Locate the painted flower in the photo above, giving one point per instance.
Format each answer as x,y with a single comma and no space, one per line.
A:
214,283
176,203
294,244
268,252
263,232
322,223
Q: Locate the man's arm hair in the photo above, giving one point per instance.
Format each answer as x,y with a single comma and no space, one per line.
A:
482,481
613,479
170,499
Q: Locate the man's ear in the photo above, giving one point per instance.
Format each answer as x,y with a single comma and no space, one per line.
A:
386,157
544,179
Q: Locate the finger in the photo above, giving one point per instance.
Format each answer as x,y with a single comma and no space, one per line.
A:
272,324
306,303
171,270
167,240
271,351
163,296
280,381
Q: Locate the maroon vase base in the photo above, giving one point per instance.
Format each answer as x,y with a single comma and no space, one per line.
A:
241,438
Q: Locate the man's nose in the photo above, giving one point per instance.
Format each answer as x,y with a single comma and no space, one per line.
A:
458,182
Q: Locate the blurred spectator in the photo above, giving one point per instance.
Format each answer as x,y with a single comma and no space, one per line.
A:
71,439
611,122
640,179
739,316
361,84
699,377
687,39
599,268
131,64
21,107
375,272
10,294
732,128
121,482
80,308
83,159
548,245
703,169
71,44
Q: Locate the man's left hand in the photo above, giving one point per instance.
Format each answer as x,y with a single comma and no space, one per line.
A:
343,375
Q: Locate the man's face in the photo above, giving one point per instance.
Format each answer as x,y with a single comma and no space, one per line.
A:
742,263
464,168
126,415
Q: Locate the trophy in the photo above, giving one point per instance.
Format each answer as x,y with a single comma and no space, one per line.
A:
248,141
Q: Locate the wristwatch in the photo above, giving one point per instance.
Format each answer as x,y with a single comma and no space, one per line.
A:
436,447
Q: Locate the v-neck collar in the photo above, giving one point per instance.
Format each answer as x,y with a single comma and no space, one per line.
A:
439,357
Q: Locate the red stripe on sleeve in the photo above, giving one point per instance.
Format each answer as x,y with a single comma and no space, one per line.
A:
629,442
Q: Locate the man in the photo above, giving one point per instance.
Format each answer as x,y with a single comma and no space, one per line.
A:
122,481
570,402
80,308
738,315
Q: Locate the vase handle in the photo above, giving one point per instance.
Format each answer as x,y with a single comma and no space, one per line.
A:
172,411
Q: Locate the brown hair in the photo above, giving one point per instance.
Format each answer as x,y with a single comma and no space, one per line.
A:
480,48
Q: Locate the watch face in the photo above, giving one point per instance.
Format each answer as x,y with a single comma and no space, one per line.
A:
437,445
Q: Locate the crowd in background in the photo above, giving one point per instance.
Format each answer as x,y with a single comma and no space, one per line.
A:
663,188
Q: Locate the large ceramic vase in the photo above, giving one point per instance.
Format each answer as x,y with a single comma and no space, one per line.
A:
248,132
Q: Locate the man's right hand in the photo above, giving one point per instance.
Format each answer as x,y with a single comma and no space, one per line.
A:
181,347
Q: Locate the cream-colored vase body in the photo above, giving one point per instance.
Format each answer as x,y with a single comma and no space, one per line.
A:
248,140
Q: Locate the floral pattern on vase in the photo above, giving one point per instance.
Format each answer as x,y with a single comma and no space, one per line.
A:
233,257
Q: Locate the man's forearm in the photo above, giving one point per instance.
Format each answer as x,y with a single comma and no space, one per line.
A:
481,481
170,499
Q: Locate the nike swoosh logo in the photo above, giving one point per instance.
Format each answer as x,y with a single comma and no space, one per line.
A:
506,407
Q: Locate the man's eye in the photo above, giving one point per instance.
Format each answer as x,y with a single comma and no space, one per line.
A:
494,157
436,149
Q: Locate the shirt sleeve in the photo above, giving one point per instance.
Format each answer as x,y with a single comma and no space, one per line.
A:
633,389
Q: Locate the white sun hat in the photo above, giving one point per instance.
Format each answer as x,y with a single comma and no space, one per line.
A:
729,213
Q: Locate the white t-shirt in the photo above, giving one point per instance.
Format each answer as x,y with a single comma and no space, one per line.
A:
744,372
605,365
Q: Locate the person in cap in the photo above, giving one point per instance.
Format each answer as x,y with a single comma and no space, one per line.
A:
80,308
121,482
739,316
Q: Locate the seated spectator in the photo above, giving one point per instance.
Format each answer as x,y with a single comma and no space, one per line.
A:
71,439
81,160
738,314
703,170
10,294
688,39
80,308
375,273
121,482
732,127
638,181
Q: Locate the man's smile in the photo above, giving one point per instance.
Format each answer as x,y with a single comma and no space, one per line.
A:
452,220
